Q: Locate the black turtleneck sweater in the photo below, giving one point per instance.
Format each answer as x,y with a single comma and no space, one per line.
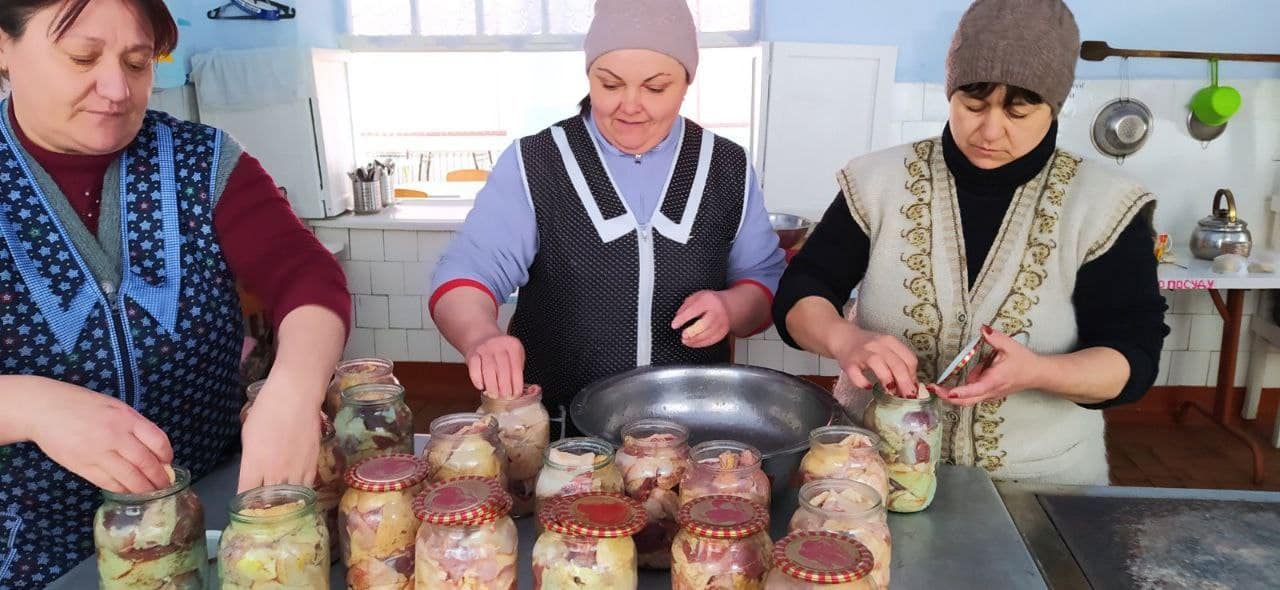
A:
1117,299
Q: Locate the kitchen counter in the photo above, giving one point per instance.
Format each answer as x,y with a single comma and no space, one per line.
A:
1105,538
966,539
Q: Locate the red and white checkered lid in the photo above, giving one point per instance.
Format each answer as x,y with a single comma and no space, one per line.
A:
823,557
598,514
462,501
387,473
723,517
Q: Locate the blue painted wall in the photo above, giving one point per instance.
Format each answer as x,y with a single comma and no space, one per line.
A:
922,31
319,24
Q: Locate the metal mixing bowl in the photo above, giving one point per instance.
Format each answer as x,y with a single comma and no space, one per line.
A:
790,228
769,410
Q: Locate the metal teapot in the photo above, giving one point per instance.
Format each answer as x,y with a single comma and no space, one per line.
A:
1222,232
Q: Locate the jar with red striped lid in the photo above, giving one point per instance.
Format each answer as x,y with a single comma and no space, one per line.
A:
821,560
467,540
586,542
376,522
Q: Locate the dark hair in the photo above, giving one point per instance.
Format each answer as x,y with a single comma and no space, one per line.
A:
1013,95
584,106
16,14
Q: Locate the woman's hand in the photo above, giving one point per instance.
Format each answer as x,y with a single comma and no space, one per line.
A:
1012,369
860,352
97,437
496,365
281,441
712,313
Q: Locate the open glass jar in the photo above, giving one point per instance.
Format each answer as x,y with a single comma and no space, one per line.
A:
465,444
524,427
845,452
153,540
725,467
578,465
374,420
275,540
653,458
355,372
910,442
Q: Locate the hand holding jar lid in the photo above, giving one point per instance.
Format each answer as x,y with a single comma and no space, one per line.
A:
587,542
376,521
467,540
722,544
820,560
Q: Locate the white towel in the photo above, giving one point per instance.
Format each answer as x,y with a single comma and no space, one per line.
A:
235,79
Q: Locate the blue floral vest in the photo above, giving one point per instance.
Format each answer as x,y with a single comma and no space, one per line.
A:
166,342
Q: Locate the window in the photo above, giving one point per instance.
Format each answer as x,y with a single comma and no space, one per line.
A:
440,85
518,24
435,112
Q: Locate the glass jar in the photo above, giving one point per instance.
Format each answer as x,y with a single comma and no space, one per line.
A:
374,420
250,395
524,427
465,444
848,507
275,540
355,372
725,467
722,544
821,560
910,442
845,452
653,459
331,468
153,540
376,521
467,541
578,465
587,543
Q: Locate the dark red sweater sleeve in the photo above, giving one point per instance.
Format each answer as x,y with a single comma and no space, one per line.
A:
273,255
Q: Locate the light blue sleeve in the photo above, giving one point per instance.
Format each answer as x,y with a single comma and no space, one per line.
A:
499,239
755,255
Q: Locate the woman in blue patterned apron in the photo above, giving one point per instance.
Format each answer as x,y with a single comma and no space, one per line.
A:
122,236
635,236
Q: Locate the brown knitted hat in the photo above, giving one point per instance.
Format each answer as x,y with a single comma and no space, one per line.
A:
664,26
1028,43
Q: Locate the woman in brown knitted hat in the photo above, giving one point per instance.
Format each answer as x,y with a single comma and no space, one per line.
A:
985,232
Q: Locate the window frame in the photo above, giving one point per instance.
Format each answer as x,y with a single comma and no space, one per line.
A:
416,41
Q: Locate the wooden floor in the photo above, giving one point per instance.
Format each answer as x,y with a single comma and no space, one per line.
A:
1144,446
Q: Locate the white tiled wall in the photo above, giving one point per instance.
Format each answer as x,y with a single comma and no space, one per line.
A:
389,271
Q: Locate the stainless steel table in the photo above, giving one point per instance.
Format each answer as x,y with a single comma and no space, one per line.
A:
1102,538
966,539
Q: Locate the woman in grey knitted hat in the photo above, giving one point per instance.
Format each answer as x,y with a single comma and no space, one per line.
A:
987,232
635,236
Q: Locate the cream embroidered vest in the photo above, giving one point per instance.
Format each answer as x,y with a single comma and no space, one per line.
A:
915,289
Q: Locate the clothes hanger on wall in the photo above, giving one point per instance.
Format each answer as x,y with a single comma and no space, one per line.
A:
269,10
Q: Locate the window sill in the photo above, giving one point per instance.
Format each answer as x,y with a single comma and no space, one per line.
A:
405,216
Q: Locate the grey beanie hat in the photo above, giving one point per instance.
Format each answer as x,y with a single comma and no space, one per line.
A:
664,26
1028,43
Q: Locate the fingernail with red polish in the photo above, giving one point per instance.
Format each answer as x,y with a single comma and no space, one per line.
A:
986,329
